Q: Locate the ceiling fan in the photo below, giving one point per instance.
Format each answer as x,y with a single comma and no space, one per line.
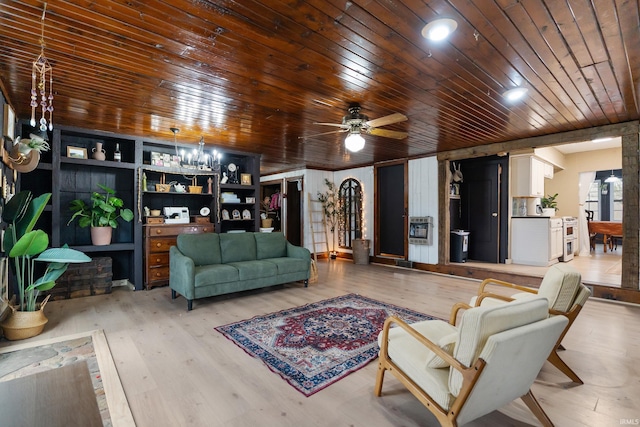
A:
356,124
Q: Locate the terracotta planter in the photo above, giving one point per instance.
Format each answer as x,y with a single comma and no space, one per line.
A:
20,325
101,236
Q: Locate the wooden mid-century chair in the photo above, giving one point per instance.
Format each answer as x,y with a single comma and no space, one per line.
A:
561,286
462,373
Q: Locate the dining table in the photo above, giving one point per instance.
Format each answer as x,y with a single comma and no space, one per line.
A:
608,229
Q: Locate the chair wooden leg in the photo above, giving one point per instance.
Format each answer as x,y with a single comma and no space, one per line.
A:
533,405
559,363
379,378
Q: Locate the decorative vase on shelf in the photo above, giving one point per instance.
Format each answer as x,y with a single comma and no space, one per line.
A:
101,236
98,152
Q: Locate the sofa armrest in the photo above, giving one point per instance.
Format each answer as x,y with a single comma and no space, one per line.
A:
294,251
181,273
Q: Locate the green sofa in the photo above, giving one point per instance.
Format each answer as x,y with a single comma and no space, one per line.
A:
208,264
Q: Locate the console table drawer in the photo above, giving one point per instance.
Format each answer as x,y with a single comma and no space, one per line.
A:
158,259
174,230
161,244
158,273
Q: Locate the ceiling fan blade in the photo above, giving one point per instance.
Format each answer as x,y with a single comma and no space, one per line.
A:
323,133
386,120
387,133
340,125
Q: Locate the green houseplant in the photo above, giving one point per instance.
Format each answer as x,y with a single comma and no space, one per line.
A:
101,215
330,209
549,205
25,247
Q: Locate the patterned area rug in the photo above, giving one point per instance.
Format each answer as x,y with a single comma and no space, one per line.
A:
317,344
23,359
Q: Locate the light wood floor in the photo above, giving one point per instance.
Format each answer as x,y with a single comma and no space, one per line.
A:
598,268
176,370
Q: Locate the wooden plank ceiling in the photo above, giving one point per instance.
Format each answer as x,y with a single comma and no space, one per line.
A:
257,75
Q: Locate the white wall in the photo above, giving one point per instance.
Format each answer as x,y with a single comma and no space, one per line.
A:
423,201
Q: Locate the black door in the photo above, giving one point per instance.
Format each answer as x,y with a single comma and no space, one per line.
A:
392,219
484,215
294,209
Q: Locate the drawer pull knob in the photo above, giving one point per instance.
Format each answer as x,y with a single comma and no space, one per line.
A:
157,259
158,245
158,231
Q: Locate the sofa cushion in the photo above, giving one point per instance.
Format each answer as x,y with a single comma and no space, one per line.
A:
215,273
290,265
248,270
236,247
203,249
270,245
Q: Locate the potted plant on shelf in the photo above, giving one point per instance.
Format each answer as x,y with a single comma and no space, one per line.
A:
25,246
330,209
102,215
549,205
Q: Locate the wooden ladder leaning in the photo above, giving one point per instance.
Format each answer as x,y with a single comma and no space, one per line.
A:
318,226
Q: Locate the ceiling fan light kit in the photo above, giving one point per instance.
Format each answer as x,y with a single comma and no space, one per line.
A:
439,29
515,94
357,124
354,142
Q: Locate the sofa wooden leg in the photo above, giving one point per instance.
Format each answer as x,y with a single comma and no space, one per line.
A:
189,304
173,294
306,283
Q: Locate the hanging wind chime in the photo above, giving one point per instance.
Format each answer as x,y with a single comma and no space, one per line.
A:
39,72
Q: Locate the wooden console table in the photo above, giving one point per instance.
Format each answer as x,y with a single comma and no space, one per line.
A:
607,229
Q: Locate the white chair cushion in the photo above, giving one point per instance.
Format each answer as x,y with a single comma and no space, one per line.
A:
410,356
560,285
479,323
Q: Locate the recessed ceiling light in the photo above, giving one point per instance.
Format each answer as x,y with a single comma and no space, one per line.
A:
515,93
439,29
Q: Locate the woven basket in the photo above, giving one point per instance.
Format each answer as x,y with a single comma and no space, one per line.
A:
163,188
196,189
20,325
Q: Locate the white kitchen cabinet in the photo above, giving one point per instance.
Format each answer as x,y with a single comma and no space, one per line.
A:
548,170
527,176
536,240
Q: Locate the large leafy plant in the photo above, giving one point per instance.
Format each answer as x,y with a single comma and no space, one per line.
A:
104,210
330,207
25,246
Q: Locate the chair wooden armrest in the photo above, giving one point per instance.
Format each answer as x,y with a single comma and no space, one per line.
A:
421,338
492,295
487,282
454,311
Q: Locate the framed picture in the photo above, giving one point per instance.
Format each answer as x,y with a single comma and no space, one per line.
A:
9,121
246,214
76,152
225,214
250,200
245,178
236,214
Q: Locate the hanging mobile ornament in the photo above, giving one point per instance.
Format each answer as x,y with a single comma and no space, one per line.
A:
39,72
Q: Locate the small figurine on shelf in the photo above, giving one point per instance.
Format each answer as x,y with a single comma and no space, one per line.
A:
144,182
224,179
210,183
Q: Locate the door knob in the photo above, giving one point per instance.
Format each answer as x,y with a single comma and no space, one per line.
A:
494,214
